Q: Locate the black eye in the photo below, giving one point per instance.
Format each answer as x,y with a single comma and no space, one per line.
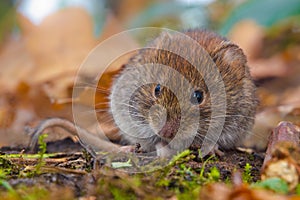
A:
157,90
197,97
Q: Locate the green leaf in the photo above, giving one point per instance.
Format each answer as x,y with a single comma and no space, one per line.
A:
276,184
298,190
265,13
179,156
7,18
171,14
117,165
7,186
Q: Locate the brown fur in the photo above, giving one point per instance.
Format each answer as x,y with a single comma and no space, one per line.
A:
160,124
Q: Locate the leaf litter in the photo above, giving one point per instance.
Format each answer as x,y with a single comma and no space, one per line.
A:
42,88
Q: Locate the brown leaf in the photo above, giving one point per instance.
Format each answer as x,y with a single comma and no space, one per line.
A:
269,118
283,154
15,65
220,191
249,36
58,46
274,66
39,68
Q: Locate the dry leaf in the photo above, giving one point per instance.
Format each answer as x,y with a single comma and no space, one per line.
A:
274,66
58,46
282,158
220,191
249,36
269,118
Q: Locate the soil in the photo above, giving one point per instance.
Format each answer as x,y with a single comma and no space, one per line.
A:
72,169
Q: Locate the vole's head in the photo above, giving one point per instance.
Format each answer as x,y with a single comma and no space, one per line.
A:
171,101
169,105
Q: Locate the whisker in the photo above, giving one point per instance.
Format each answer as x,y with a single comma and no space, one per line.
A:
88,83
107,119
220,116
84,85
102,103
101,110
94,110
128,105
202,137
103,91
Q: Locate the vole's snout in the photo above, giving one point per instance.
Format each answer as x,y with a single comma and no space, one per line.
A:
164,124
157,117
170,129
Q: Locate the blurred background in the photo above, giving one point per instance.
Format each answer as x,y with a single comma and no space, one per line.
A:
43,43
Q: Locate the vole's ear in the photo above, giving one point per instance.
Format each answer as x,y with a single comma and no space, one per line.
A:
229,54
166,35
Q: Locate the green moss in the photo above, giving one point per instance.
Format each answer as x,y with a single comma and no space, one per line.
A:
35,193
181,157
214,174
193,194
201,175
247,176
251,157
8,168
119,194
41,153
186,181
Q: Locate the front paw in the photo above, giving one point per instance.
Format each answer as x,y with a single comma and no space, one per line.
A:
164,150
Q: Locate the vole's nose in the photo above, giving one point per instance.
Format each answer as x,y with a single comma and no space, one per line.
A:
169,129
